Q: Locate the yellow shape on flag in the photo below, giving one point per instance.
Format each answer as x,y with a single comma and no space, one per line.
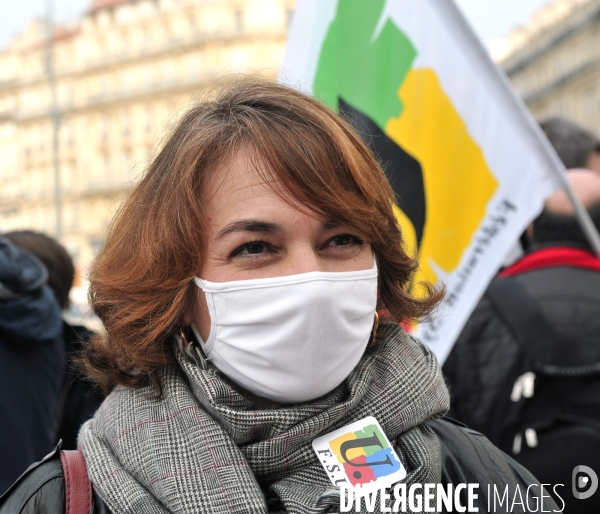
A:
458,182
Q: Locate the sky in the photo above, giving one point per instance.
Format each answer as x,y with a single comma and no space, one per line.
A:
491,19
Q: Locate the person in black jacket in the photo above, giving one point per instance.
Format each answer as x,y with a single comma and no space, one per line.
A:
78,399
561,275
31,363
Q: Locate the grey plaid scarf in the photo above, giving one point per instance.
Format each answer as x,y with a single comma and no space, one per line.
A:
201,448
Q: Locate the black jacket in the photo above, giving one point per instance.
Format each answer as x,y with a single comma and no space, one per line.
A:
79,399
467,457
31,362
41,489
485,354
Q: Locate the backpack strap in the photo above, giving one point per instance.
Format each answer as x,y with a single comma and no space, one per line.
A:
521,313
536,337
78,487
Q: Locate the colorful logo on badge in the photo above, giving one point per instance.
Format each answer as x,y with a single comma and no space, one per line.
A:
359,455
365,455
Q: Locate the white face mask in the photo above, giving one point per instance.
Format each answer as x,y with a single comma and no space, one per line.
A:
290,339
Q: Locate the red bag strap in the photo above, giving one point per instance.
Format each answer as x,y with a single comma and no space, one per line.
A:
78,487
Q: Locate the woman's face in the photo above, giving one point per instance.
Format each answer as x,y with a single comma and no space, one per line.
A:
254,233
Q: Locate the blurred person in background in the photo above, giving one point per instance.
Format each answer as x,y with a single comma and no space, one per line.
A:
240,286
525,370
577,146
31,361
78,399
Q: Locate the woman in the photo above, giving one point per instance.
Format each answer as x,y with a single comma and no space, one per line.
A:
239,287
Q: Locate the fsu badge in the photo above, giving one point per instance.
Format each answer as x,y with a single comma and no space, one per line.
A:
359,456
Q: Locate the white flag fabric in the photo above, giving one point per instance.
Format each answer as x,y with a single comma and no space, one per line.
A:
469,165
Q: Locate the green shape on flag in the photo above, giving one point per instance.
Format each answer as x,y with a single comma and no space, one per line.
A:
366,73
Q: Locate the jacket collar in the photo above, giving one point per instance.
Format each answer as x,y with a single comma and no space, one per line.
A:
546,257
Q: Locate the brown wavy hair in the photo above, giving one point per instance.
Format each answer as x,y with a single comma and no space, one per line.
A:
141,281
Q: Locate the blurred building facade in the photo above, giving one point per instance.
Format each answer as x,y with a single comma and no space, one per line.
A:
124,74
554,61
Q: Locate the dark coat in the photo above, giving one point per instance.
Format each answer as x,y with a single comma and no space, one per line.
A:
467,457
485,362
79,398
31,362
485,354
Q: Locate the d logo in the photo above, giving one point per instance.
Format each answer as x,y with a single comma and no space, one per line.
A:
581,482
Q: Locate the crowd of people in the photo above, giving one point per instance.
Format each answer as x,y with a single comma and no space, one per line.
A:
251,292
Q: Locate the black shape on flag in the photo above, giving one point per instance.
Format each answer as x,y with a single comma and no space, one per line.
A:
403,171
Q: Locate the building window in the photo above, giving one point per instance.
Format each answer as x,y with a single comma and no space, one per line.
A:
106,171
239,20
68,133
194,66
168,72
104,128
126,81
127,164
74,216
167,31
41,138
103,47
149,118
103,85
145,38
126,123
125,42
148,79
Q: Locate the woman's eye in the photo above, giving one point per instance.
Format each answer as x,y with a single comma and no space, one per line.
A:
254,248
345,239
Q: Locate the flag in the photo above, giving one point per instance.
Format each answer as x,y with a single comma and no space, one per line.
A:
467,162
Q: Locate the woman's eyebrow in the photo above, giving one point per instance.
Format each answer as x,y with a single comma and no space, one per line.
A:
263,227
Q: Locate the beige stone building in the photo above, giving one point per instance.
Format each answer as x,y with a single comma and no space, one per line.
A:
124,74
554,61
